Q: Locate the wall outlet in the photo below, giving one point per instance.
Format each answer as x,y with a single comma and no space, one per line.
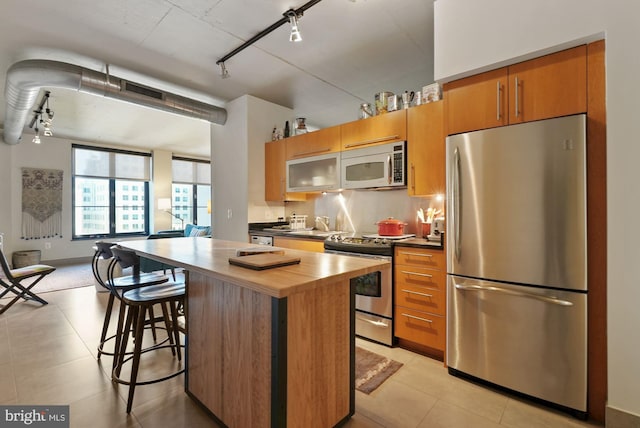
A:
267,214
47,245
229,214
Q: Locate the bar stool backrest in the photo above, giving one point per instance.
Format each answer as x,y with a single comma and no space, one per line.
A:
126,258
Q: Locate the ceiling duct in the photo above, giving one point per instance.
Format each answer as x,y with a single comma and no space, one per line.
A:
26,78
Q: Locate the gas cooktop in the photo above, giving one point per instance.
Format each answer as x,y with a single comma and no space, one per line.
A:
362,244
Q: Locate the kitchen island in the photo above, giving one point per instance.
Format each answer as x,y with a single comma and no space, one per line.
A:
270,348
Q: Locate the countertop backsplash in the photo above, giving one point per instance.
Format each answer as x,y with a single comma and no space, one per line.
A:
359,210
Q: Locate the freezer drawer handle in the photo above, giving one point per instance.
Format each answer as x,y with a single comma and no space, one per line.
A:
553,300
419,294
416,318
416,273
374,322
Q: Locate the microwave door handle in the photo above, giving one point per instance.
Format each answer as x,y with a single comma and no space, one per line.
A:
390,169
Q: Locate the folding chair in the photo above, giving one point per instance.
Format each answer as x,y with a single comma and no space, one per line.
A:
12,281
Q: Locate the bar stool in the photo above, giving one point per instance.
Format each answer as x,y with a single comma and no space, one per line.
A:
117,286
139,303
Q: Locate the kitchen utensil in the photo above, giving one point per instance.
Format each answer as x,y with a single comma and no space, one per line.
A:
322,223
301,127
392,103
426,230
381,99
365,111
407,98
390,227
417,99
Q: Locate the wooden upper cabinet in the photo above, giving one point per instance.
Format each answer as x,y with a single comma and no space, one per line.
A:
426,149
275,185
321,142
550,86
381,129
477,102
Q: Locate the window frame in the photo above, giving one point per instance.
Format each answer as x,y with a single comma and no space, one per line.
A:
193,205
112,196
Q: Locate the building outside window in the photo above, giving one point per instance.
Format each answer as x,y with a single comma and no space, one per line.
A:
190,191
106,184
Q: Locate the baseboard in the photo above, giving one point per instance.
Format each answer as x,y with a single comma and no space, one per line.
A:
616,418
65,262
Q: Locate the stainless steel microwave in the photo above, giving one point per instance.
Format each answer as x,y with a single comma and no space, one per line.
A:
381,166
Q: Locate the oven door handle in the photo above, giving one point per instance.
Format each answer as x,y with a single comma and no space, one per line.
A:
376,323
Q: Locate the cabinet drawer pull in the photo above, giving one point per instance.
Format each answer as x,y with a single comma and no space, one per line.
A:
416,254
375,140
417,318
406,272
313,152
419,294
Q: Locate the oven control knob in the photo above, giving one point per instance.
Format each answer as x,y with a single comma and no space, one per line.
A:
384,241
376,241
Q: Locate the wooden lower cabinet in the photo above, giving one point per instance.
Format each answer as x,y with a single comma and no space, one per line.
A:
299,244
420,298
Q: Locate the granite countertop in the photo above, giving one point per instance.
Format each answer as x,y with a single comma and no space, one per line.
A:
420,243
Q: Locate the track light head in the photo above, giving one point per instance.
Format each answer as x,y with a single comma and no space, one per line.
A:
295,35
223,71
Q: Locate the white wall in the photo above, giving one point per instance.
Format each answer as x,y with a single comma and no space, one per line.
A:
237,166
55,153
470,37
52,153
229,176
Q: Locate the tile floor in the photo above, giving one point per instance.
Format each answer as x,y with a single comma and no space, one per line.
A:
48,356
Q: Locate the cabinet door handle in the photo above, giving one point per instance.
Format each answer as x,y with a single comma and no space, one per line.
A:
416,254
498,100
284,189
417,318
426,275
376,140
313,152
419,294
517,103
413,176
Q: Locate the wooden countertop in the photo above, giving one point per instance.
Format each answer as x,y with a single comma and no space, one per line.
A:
211,257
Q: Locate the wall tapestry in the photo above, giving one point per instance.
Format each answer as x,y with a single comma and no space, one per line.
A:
41,203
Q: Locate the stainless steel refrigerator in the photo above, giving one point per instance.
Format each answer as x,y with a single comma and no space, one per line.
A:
517,259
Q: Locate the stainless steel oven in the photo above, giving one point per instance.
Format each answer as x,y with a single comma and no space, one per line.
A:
374,297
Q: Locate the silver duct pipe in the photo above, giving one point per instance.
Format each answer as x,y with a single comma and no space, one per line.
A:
25,78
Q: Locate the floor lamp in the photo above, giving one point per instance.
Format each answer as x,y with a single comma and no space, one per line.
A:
164,204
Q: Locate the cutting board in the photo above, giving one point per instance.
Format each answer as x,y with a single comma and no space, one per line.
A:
264,261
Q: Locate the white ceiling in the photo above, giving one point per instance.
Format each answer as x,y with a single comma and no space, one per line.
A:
351,50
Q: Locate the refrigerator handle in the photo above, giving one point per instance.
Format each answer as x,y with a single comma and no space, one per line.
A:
545,299
456,201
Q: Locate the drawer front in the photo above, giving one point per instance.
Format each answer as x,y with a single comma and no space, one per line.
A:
434,259
420,327
421,299
419,277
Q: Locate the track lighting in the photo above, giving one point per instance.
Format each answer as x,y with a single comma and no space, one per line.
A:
46,122
291,16
36,138
223,71
295,35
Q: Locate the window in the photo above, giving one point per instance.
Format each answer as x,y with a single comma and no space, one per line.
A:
191,191
106,184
